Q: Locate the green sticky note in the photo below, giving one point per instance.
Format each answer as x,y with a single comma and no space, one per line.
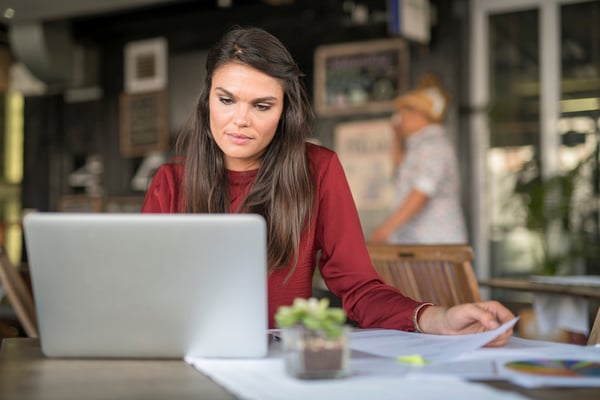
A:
414,359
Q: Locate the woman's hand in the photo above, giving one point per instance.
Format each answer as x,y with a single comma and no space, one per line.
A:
467,318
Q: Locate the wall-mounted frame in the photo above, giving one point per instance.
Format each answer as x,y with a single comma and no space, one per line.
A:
143,123
360,77
146,65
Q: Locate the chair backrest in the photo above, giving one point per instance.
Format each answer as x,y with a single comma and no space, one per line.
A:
440,274
18,294
594,337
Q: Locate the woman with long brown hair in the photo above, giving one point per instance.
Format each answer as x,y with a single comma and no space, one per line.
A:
245,151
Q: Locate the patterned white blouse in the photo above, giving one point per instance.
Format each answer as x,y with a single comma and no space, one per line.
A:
430,166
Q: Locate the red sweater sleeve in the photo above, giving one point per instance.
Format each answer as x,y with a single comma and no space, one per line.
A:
345,264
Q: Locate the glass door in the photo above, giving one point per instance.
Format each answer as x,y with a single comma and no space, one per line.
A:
536,101
579,127
514,139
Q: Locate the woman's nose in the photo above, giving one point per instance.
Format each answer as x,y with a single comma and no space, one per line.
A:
241,117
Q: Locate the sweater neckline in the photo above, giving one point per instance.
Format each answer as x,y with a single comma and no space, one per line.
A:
241,177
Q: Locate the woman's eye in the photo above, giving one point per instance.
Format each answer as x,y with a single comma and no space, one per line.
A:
263,107
225,100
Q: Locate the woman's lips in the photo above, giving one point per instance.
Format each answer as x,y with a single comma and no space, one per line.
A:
238,138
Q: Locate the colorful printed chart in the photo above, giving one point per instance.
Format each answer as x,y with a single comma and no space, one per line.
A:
556,367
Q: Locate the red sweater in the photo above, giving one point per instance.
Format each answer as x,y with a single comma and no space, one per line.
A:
335,230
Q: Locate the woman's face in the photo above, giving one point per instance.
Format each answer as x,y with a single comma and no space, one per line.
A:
407,121
245,107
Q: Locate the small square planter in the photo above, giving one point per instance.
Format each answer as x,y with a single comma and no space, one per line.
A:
311,354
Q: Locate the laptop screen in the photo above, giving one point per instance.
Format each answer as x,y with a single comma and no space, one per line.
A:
149,285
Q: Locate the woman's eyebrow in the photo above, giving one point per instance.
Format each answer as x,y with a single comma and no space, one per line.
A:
227,92
266,98
257,100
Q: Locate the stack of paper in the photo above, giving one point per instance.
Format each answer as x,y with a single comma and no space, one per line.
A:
387,364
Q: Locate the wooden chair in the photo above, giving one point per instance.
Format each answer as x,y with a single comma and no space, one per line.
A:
440,274
18,294
594,337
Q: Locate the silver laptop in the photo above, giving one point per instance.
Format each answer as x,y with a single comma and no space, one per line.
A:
149,285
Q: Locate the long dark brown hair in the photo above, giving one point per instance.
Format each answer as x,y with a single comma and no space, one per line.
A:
284,190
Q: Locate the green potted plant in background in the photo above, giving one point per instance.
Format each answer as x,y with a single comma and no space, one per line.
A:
558,215
315,339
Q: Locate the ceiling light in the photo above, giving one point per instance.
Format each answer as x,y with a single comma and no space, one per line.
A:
9,13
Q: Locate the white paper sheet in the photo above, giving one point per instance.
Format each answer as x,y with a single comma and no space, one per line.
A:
380,377
266,380
488,363
432,348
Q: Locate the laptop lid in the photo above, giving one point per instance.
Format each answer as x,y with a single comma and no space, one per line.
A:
149,285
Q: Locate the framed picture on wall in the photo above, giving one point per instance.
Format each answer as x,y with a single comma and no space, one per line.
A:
360,77
143,123
365,151
146,65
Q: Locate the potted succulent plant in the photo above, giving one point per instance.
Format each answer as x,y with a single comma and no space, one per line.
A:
315,339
